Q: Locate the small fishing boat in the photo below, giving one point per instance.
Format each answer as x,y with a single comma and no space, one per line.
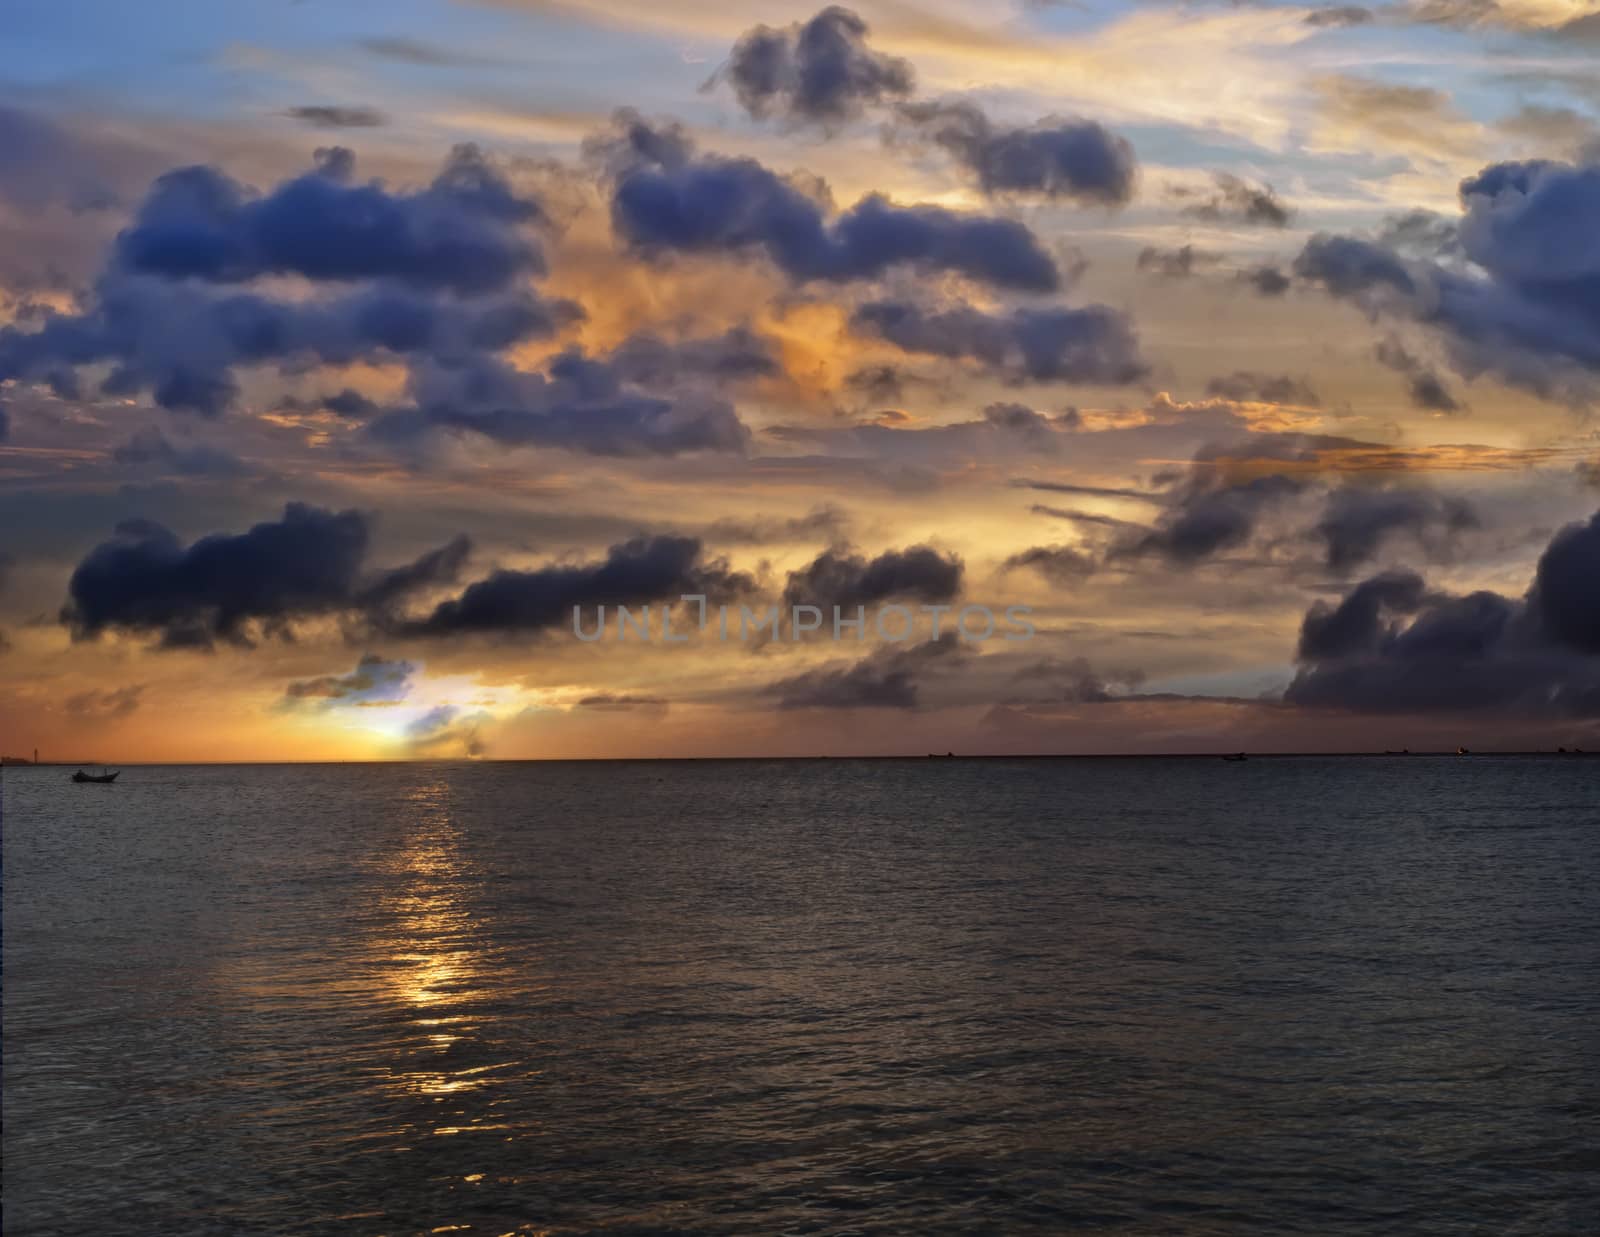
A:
103,778
1237,757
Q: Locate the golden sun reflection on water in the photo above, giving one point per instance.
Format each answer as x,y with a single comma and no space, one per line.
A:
436,972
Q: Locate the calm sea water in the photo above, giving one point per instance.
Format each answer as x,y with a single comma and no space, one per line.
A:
1119,996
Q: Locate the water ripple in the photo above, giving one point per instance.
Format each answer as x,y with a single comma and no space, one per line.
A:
1303,996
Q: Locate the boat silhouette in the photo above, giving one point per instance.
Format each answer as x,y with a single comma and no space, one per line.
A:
105,778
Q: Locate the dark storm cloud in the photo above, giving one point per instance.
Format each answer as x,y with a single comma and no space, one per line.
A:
1058,564
414,277
1209,514
1020,419
146,580
1359,518
836,577
226,586
1565,598
375,681
1238,201
581,403
737,354
1356,623
822,72
1531,226
465,232
890,678
350,403
1530,311
1093,344
1348,266
183,343
636,572
333,117
1060,158
1267,280
1428,390
1460,660
1248,386
648,396
1393,646
1209,510
398,263
1177,263
1224,501
668,202
634,141
384,591
819,71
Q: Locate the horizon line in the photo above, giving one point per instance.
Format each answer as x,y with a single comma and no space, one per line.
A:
10,763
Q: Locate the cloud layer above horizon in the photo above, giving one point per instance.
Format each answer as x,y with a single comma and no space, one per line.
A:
1266,389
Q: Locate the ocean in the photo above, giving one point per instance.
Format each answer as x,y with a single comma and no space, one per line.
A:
1293,995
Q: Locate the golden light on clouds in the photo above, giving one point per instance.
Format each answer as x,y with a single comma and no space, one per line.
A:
1183,285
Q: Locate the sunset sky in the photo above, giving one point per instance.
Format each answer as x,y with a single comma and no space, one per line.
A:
1255,347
